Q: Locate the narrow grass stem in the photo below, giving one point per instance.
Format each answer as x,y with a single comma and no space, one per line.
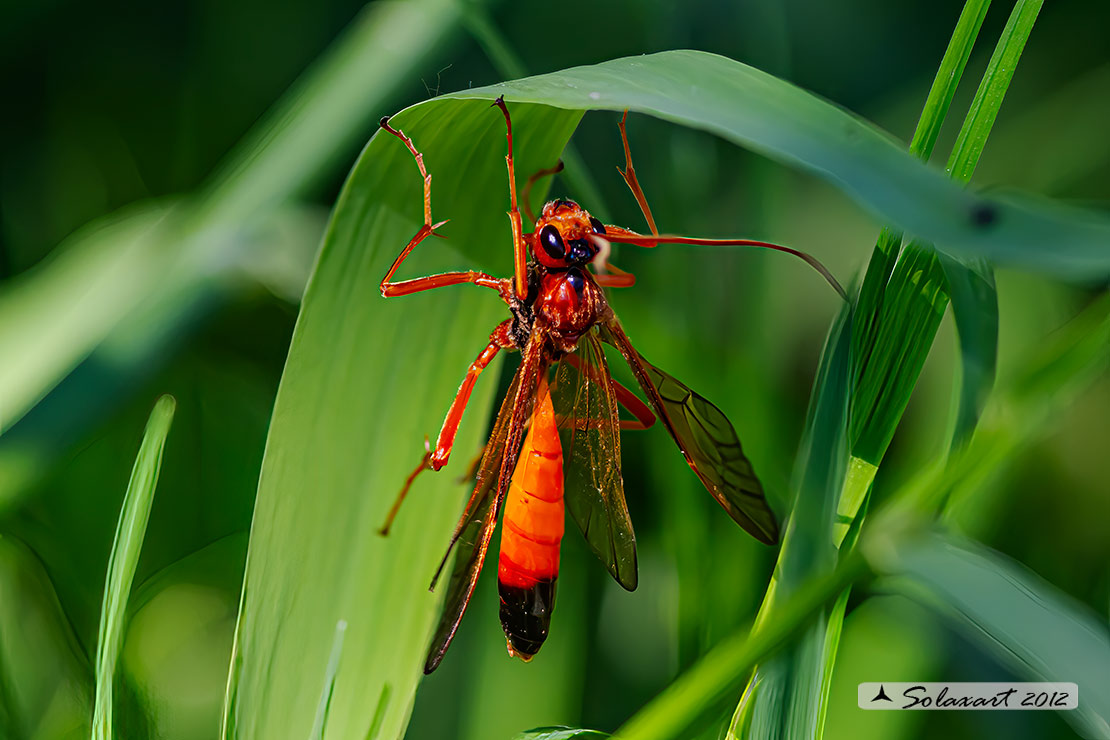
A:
716,678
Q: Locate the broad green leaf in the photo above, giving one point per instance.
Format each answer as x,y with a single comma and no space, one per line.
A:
124,559
365,381
758,111
579,178
1022,620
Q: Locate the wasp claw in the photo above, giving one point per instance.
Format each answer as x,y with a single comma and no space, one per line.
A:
384,122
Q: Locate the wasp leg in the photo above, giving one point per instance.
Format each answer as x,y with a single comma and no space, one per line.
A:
436,458
520,254
629,175
404,287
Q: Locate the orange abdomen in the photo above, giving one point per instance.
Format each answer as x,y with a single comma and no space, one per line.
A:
531,531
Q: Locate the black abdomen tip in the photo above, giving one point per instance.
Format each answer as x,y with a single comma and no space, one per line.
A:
526,615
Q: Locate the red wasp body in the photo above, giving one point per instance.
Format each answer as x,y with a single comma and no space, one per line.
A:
560,320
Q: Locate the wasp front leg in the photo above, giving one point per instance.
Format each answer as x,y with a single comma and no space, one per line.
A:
389,288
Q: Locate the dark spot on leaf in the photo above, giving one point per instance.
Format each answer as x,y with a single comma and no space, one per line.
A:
983,215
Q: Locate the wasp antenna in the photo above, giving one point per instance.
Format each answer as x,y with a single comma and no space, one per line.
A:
816,265
526,196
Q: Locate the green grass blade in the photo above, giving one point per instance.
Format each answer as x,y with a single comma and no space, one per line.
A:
331,107
807,545
278,254
1022,620
1051,378
857,486
888,370
124,559
912,309
758,111
560,733
706,689
975,308
906,312
116,267
971,281
54,316
932,117
833,630
988,98
46,685
948,77
788,700
343,438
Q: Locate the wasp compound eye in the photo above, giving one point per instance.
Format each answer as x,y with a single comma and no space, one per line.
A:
552,242
599,228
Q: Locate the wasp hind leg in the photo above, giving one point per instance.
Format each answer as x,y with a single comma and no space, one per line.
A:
436,458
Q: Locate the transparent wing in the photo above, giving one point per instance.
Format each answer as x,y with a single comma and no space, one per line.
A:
479,518
589,428
707,440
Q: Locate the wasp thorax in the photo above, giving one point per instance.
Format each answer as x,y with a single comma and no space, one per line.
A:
564,235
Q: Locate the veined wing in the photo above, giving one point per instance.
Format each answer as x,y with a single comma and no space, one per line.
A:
479,518
706,438
589,427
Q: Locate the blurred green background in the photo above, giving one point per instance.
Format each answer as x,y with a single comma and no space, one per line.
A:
110,106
